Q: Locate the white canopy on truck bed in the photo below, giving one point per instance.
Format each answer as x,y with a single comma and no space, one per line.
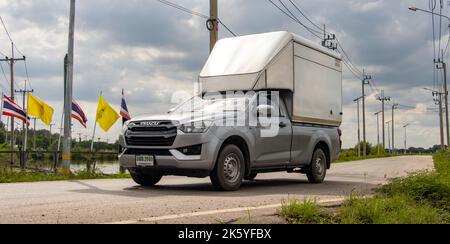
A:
280,60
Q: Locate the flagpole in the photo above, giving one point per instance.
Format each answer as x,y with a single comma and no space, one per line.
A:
95,128
1,112
60,131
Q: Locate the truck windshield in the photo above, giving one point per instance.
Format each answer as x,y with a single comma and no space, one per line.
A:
213,105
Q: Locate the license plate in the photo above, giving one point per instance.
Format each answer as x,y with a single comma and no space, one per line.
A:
145,161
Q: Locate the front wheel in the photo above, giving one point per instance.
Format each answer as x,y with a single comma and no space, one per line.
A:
145,179
317,171
229,171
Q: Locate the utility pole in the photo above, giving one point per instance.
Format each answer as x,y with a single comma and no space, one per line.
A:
405,127
437,98
11,62
34,134
440,64
389,134
441,117
378,131
213,24
51,135
68,92
24,93
383,99
394,107
365,81
357,100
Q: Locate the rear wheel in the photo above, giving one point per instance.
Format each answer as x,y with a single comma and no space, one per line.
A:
317,171
229,171
145,179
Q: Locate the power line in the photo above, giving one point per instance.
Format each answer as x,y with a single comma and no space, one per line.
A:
226,27
181,8
304,15
351,71
4,76
28,77
191,12
9,36
313,32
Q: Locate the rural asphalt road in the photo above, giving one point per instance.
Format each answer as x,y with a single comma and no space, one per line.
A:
187,200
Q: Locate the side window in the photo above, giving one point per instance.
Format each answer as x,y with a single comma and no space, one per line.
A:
268,101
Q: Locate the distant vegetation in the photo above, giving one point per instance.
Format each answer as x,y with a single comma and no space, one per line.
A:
421,198
348,155
47,142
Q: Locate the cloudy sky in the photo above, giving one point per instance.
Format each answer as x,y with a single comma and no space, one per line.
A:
152,50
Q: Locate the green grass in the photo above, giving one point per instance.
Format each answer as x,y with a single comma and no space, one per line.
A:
420,198
306,212
398,209
8,175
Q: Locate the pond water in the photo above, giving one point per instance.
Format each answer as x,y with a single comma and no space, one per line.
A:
103,166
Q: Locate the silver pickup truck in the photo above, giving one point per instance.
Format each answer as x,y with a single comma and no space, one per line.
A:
270,102
182,143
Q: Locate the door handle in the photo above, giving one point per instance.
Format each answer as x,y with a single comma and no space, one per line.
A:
283,125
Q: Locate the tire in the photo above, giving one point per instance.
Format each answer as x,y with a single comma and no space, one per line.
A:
251,177
317,170
229,171
144,179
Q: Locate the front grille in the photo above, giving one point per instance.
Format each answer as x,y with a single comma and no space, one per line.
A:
154,152
161,134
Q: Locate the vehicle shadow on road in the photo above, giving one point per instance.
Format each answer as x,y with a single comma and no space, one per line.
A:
248,189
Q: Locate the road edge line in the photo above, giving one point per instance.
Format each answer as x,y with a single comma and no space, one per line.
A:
212,212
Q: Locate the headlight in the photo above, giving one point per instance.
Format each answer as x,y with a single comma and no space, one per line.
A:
195,127
125,127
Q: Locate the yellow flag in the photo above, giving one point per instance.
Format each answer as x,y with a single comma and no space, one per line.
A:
39,109
106,115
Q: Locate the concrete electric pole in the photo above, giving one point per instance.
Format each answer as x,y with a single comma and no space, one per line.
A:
438,100
11,61
68,93
440,64
394,107
383,99
34,133
378,131
365,81
213,24
405,127
24,93
389,134
359,128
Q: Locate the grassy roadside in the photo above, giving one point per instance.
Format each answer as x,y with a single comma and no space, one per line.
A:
350,158
421,198
8,175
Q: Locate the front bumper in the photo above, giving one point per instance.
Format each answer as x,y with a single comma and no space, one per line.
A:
172,158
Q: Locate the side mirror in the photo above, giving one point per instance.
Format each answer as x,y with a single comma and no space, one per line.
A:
265,111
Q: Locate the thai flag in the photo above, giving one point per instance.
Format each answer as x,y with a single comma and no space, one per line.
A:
124,109
78,114
11,109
